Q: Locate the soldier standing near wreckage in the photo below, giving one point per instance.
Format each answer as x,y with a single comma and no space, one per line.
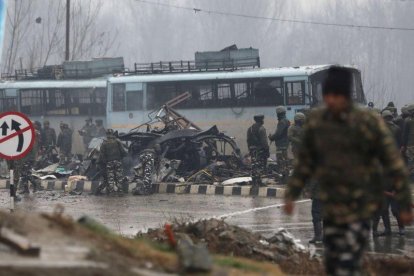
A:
26,164
64,143
408,139
99,130
110,160
295,133
149,161
87,132
258,148
280,137
341,148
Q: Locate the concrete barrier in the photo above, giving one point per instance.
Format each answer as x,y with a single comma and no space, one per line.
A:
169,188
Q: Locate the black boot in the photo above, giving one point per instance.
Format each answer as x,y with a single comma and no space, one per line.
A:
317,229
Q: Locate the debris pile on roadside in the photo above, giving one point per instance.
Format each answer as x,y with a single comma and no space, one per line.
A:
225,239
282,248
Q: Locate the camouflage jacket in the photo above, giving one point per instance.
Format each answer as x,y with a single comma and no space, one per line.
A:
281,134
295,135
257,138
111,150
48,137
64,141
345,156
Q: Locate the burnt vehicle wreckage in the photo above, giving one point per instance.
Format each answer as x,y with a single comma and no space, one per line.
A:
187,154
193,153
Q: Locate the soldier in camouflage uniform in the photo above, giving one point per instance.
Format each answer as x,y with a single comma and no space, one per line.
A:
258,148
48,135
280,137
388,200
87,132
341,148
110,160
64,143
400,120
148,166
295,133
25,166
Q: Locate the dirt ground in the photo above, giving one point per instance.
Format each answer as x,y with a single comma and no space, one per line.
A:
70,248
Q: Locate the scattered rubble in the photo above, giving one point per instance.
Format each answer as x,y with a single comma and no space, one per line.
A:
282,248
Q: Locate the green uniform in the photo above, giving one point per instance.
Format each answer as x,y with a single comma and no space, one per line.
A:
280,137
295,136
26,164
344,154
259,151
88,132
64,142
49,137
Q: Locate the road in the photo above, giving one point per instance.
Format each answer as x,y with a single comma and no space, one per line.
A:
128,215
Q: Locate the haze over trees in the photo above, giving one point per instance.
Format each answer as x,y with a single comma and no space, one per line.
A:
143,32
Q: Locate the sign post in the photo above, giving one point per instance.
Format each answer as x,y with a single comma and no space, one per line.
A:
17,136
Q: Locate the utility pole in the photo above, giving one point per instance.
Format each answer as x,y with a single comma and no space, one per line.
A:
67,30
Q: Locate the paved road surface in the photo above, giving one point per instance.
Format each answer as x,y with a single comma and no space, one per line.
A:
128,215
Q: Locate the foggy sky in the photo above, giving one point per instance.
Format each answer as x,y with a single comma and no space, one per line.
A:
153,33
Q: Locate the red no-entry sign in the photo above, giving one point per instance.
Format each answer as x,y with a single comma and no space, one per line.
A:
17,135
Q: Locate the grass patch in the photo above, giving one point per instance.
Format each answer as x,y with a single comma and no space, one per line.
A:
234,263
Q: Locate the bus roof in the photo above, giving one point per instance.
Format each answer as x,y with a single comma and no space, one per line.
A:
239,74
53,84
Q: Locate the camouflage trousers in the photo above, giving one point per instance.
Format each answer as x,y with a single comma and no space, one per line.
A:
344,247
148,162
112,177
259,164
282,161
26,177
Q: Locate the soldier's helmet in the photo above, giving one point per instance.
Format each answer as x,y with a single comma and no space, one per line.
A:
386,114
371,105
410,109
391,104
300,117
110,132
404,110
258,118
280,110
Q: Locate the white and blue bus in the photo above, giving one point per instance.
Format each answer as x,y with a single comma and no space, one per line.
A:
226,99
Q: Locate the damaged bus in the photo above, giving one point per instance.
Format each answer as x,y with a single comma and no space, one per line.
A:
228,99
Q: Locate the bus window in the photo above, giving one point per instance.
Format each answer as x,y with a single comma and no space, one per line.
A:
159,93
7,102
295,93
267,92
134,100
32,102
118,97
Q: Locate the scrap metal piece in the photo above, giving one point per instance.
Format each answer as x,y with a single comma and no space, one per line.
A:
19,243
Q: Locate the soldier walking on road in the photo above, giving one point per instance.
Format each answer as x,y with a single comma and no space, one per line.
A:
280,137
342,147
258,148
64,143
295,133
110,160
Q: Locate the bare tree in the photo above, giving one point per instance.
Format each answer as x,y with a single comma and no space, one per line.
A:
18,23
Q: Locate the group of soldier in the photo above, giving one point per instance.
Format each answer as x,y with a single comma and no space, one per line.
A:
286,134
46,144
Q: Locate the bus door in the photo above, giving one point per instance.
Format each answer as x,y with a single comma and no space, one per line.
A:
296,94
